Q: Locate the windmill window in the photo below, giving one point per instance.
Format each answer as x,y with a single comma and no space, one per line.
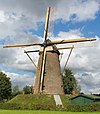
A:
43,87
44,73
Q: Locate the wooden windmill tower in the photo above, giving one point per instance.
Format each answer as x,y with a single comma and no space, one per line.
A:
48,73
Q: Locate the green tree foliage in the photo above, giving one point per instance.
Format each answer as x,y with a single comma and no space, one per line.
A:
27,89
5,86
69,82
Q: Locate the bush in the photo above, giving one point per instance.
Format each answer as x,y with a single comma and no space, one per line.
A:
9,106
81,108
70,107
92,107
12,106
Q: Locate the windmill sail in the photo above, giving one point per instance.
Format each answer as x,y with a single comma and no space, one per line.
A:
22,45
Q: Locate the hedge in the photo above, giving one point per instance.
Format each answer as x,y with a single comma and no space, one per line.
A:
14,106
81,108
69,107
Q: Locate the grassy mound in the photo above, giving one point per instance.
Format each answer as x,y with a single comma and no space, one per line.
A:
38,101
34,101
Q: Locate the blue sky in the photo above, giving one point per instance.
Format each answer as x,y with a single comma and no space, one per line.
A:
89,28
23,22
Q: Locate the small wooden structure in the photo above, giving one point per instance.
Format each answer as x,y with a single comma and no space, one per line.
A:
85,99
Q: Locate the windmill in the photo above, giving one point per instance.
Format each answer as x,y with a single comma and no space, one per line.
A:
48,72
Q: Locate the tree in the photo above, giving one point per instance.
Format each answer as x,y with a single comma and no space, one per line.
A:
15,90
27,89
70,84
5,86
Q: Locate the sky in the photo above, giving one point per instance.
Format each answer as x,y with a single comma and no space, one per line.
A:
22,21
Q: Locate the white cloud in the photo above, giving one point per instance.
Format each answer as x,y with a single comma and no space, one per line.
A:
70,34
78,10
14,25
15,58
2,17
89,82
17,16
21,79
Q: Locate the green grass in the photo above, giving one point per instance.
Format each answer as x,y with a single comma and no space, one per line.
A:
41,112
33,99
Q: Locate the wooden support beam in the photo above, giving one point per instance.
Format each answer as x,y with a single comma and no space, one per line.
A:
68,58
30,59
